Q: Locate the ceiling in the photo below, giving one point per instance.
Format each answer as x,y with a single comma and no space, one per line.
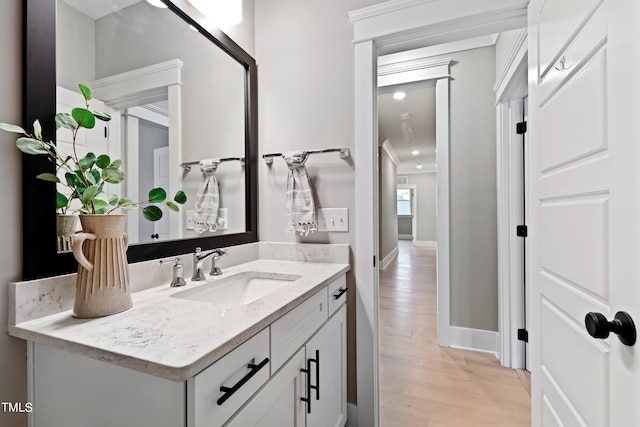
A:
98,9
409,124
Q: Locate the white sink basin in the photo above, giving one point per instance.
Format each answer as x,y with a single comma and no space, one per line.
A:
239,289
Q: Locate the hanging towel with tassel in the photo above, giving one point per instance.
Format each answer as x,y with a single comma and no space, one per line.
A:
300,206
205,216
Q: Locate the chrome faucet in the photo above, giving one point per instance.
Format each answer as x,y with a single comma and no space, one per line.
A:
178,272
198,259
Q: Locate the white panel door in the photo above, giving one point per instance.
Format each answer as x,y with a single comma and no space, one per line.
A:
584,67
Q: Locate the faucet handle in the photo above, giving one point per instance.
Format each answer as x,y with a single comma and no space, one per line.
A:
178,271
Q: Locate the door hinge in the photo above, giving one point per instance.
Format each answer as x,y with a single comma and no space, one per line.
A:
105,132
521,231
523,335
521,128
374,260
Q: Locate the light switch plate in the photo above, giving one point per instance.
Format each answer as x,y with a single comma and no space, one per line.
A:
333,219
190,220
223,219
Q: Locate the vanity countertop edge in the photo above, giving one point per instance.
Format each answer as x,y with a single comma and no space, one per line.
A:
175,338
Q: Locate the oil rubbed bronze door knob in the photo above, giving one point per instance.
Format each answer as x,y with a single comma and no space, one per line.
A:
599,327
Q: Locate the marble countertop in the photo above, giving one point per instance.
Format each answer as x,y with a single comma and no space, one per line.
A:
176,338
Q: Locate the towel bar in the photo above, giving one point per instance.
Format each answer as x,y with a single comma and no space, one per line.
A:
187,165
345,153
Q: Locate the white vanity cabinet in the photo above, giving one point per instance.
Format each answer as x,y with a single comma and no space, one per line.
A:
292,373
310,389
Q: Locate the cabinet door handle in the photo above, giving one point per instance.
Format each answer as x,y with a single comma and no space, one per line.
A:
340,292
316,387
229,391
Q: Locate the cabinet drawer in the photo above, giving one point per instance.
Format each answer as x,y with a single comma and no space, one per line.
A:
293,329
206,402
337,293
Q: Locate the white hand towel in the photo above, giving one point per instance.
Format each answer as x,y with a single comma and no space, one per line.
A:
205,216
300,206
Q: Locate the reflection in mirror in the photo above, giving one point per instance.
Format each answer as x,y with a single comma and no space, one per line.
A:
174,97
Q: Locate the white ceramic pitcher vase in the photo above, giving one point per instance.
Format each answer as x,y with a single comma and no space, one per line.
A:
102,284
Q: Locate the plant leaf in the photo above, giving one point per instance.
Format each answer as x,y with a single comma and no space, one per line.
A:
112,175
102,116
37,130
113,199
91,179
87,161
173,206
61,200
157,195
83,117
125,203
71,179
152,213
101,202
64,120
103,161
116,163
48,177
180,197
89,194
12,128
30,146
86,92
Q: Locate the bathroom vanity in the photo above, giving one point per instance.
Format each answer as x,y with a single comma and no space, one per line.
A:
263,344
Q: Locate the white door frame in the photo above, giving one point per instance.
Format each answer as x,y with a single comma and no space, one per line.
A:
511,86
386,28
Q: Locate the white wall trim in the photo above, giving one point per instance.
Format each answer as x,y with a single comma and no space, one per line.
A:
516,64
391,27
388,148
352,415
384,263
474,340
426,243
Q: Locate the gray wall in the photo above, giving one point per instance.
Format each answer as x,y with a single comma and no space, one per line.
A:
405,225
13,376
426,207
388,221
306,85
75,46
504,44
473,216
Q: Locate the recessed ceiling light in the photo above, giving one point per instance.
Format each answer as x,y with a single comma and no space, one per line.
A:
419,166
157,3
399,95
415,152
222,12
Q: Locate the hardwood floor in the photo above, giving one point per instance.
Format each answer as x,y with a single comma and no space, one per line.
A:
423,384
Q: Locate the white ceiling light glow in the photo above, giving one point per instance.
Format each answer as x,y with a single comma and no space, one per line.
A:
157,3
419,166
399,95
415,152
222,12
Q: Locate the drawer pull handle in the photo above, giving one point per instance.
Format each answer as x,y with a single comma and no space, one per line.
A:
229,391
340,292
316,387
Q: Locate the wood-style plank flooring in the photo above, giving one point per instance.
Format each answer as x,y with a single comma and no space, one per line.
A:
423,384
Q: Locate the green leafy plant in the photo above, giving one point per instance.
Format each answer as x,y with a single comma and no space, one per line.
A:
87,176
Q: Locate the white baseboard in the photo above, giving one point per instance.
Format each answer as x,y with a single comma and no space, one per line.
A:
352,415
428,243
474,340
384,263
405,236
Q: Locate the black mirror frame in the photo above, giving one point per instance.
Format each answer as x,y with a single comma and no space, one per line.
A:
39,253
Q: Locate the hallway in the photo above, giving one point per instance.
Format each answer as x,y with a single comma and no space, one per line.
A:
423,384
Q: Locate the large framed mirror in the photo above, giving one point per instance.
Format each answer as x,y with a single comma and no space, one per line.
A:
179,92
